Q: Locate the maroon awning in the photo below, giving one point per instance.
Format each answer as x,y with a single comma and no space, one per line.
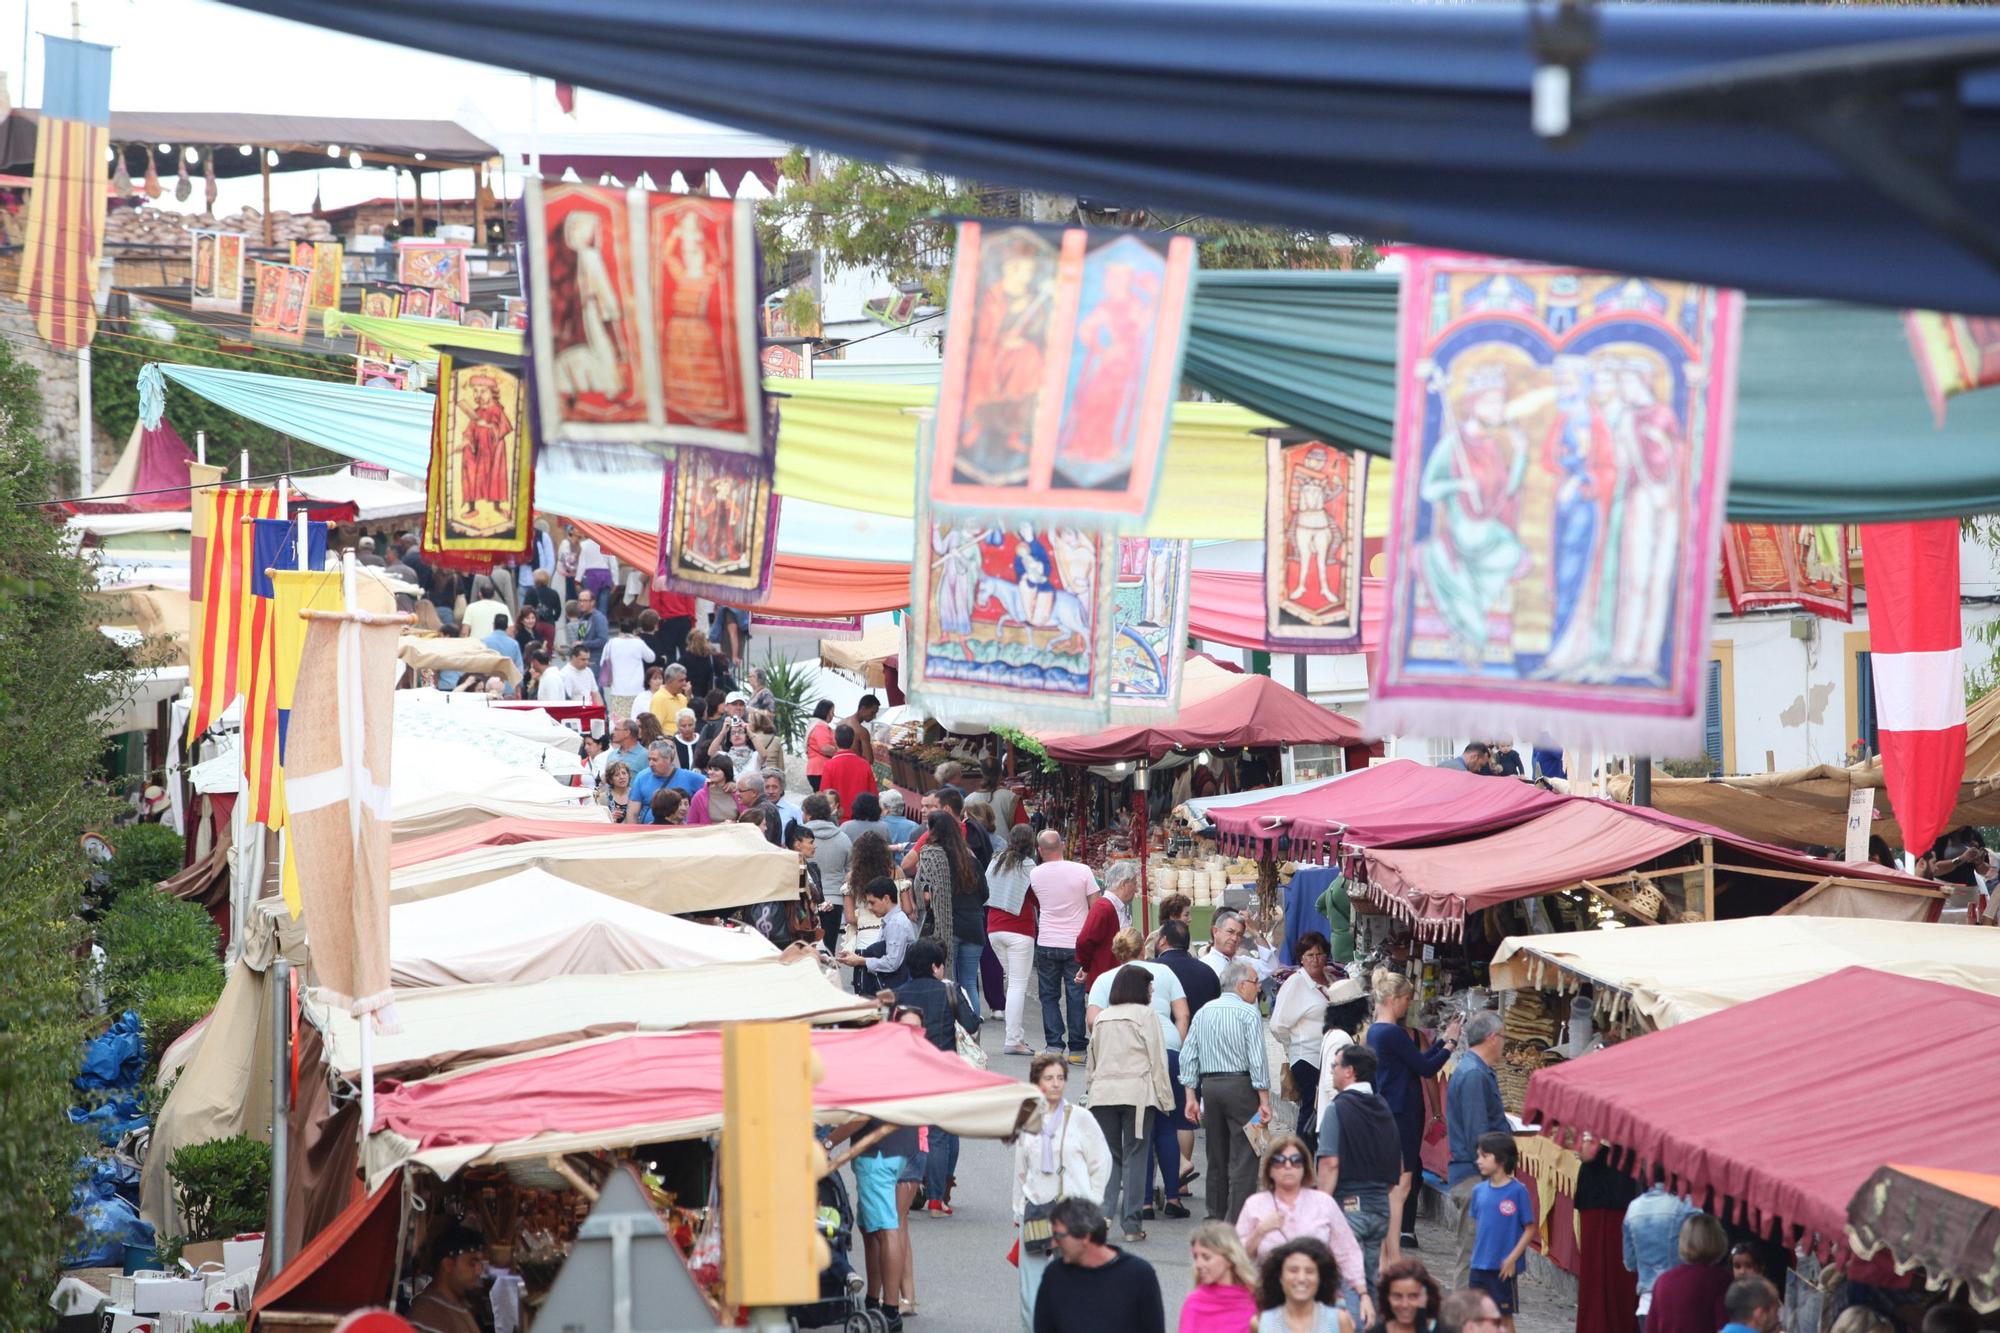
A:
1255,711
1397,804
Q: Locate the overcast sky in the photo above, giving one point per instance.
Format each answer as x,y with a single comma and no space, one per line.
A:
198,55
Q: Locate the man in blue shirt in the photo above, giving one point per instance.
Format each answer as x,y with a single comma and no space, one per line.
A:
1653,1236
1752,1306
591,630
501,642
625,747
662,770
902,831
1472,1109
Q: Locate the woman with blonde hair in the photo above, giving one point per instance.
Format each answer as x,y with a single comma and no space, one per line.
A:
1687,1298
1401,1069
1224,1296
1288,1207
766,741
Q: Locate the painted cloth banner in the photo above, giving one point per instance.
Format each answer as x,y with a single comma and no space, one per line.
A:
278,311
1788,564
1149,627
1955,353
436,266
718,527
1061,369
377,303
1312,545
216,282
64,238
1562,445
644,318
1916,647
481,483
826,627
323,260
219,567
274,545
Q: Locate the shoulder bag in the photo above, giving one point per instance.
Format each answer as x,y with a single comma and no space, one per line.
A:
1036,1233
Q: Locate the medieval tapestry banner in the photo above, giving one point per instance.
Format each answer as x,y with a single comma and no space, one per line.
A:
1788,564
825,627
217,276
1149,606
381,303
324,259
718,527
434,264
1562,451
279,310
1312,546
481,485
1061,369
643,318
416,302
1955,353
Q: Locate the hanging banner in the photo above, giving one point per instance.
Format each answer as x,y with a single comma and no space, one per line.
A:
323,258
219,574
216,278
372,374
644,318
481,484
718,527
1149,619
64,237
435,265
1061,368
379,303
1562,449
476,319
1954,353
274,546
1313,498
278,313
826,627
1787,564
417,302
1916,636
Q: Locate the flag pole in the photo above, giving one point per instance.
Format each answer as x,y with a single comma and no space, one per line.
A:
366,1022
201,447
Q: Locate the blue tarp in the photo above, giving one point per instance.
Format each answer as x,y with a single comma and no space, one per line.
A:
1401,121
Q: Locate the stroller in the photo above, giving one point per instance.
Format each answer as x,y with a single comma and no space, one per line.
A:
840,1303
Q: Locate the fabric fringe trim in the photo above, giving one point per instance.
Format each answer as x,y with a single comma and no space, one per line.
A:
1602,727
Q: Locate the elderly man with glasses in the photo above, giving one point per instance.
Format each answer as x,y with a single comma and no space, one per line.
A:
1228,1079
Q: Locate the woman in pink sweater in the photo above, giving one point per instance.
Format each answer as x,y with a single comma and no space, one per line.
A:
1223,1299
1287,1207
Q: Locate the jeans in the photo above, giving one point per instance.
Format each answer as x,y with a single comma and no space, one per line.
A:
1369,1221
942,1164
1129,1132
1055,970
965,971
1031,1287
1017,960
1165,1149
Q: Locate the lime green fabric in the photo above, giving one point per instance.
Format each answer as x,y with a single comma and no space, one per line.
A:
419,339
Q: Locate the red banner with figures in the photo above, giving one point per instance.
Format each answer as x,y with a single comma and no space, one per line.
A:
1955,353
1312,545
481,487
718,527
278,313
1788,564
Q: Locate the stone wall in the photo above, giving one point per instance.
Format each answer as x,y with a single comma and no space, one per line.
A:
56,371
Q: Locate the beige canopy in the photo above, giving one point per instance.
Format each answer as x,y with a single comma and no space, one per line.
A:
422,816
457,1025
863,658
1670,974
158,612
426,653
711,867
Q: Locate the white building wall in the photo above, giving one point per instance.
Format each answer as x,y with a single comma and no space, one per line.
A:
843,297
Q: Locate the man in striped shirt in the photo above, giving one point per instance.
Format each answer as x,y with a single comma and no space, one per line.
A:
1223,1060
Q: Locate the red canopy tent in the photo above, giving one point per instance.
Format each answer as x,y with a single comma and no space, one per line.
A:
1227,606
1250,711
501,833
1396,804
1749,1109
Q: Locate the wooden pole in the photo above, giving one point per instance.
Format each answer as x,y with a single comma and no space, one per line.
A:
264,166
479,206
1706,909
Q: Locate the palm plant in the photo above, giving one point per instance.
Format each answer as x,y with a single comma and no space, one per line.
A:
791,684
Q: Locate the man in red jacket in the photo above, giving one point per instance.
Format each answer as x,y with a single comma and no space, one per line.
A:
1109,914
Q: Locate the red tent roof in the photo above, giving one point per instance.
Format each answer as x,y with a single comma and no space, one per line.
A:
505,832
1251,711
150,476
1227,606
1752,1104
1389,805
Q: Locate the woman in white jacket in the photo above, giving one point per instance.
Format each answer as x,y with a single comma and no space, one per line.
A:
1129,1087
1066,1159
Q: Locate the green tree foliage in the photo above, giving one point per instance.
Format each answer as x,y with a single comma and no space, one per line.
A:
56,673
153,940
114,390
146,854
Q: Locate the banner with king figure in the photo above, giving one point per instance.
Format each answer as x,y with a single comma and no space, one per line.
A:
278,312
1312,545
1788,564
1562,452
1061,369
718,527
481,486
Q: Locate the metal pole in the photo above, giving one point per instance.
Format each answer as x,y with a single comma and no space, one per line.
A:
281,1107
243,466
1642,779
86,444
351,602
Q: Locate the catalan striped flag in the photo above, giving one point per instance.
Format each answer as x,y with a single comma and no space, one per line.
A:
219,575
65,235
274,546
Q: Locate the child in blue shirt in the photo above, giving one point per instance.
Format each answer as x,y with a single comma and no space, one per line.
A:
1504,1214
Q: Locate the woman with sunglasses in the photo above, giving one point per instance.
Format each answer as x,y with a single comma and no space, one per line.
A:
1287,1207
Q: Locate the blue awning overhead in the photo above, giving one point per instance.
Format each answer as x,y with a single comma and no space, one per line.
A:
1719,143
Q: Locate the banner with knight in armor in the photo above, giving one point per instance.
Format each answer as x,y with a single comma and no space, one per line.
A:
1313,502
1562,451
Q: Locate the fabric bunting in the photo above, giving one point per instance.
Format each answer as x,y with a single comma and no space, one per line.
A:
718,527
644,318
278,311
1955,354
274,545
825,627
1149,618
219,570
216,280
481,479
65,233
1561,451
1788,564
1061,370
1312,545
1916,657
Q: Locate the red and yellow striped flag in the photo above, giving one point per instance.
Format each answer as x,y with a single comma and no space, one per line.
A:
65,235
220,574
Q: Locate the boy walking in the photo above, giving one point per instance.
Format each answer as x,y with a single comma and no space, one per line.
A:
1505,1217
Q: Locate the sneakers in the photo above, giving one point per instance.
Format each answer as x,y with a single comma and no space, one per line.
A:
1076,1057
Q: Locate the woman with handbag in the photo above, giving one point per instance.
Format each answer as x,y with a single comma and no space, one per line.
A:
950,893
1127,1065
1068,1158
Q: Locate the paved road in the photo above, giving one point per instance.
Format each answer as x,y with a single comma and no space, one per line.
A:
965,1284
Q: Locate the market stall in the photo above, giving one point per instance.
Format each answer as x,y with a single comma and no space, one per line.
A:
1399,803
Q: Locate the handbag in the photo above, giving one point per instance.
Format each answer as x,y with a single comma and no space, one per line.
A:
1037,1235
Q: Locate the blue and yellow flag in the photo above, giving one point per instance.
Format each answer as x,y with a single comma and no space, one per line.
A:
65,236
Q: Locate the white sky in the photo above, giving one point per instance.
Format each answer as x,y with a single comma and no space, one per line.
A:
199,55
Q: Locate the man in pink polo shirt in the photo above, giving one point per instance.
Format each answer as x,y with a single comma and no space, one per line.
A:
1062,888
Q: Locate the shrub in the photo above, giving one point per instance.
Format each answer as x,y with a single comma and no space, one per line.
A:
169,1003
223,1186
145,855
147,933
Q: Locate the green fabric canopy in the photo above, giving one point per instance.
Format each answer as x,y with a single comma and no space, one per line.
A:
1831,421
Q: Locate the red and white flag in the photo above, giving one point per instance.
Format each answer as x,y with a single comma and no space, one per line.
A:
1915,657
